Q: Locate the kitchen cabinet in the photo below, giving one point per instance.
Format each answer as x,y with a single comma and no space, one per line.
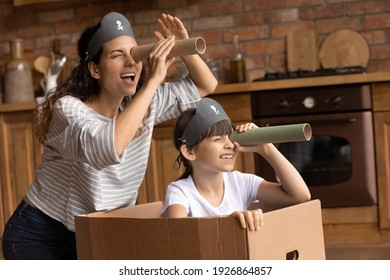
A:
30,2
20,153
381,103
48,3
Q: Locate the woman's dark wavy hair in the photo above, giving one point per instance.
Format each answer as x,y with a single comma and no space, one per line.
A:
80,84
220,128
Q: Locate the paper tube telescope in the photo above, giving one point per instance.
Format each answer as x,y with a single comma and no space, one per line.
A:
273,134
182,47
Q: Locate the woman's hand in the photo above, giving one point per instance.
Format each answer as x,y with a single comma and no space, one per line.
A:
199,72
171,25
253,219
157,59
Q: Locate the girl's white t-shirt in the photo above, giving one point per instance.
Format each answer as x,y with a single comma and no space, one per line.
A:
240,191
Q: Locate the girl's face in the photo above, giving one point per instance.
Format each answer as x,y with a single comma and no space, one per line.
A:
117,72
215,154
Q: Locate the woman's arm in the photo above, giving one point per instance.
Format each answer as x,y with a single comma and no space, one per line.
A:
125,130
200,74
198,70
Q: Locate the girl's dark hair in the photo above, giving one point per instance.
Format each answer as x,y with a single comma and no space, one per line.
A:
80,84
220,128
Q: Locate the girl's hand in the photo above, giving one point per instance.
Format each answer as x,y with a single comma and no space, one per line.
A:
260,148
171,25
251,218
244,127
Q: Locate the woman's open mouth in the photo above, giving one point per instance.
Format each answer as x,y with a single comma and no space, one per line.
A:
130,76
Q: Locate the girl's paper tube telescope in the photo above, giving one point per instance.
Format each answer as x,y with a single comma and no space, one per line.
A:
182,47
273,134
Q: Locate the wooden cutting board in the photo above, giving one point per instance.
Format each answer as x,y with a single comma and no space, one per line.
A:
344,48
302,51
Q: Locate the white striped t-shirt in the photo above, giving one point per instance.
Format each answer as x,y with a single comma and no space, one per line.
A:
80,171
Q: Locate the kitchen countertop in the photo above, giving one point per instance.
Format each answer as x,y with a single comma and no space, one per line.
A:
15,107
376,77
304,82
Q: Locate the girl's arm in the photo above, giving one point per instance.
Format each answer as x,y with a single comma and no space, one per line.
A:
176,211
291,188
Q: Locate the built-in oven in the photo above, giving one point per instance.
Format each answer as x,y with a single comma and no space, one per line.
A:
338,162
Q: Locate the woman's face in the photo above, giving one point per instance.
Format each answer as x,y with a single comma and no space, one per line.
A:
117,73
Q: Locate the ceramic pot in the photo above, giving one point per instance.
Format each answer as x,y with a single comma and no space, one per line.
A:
18,82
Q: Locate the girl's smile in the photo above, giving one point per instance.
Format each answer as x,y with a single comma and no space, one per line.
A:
216,153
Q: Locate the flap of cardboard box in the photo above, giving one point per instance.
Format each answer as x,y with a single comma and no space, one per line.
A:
296,233
139,233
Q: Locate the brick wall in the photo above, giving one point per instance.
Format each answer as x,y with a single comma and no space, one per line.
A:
262,25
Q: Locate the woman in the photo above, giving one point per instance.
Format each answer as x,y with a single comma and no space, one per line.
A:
209,186
96,128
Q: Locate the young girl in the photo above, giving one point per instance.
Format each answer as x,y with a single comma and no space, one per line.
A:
97,128
209,186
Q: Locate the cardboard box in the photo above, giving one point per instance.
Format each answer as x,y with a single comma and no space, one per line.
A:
139,233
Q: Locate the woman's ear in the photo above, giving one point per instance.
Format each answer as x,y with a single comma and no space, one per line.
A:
93,70
187,152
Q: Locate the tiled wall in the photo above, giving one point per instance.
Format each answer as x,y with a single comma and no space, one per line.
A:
262,25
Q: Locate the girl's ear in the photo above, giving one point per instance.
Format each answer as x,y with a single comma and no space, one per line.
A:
93,70
187,153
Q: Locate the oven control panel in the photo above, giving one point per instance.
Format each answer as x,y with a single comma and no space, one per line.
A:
313,100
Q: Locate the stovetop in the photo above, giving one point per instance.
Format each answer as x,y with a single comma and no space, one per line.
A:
316,73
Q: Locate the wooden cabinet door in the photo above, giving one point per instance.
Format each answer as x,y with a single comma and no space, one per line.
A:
382,143
381,108
2,221
19,156
160,171
31,2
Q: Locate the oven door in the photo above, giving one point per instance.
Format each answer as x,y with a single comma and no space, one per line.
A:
337,163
